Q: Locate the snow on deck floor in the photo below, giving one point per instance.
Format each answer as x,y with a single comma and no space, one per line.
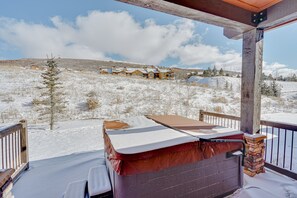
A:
269,184
75,141
48,178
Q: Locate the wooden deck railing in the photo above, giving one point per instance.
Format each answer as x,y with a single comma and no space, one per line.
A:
280,152
14,148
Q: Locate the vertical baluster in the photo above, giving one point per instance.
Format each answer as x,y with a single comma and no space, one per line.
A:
266,142
278,139
2,152
18,147
15,148
292,147
9,149
12,151
272,144
6,153
284,160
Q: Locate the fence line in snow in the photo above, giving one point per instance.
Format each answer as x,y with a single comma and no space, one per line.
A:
280,149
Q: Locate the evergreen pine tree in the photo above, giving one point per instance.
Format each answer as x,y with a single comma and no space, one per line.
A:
221,72
214,71
209,71
264,88
52,97
275,89
294,78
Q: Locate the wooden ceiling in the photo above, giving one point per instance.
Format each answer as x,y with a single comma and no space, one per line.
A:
253,5
233,15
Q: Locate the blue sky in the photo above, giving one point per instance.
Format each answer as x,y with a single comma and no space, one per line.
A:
111,30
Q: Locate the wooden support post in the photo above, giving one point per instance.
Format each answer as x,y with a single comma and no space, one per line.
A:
24,142
201,115
252,57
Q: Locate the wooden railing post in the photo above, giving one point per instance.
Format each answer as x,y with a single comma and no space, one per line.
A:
24,142
201,115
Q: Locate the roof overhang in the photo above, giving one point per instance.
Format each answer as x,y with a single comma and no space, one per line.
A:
235,16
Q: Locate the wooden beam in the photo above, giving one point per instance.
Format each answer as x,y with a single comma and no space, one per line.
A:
252,58
213,12
280,14
233,34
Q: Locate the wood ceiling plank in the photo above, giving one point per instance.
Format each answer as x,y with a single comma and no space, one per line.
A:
253,5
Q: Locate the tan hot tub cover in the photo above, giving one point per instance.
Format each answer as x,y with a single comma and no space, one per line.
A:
166,157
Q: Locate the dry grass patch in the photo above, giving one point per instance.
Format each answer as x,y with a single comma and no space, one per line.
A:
218,109
92,103
220,99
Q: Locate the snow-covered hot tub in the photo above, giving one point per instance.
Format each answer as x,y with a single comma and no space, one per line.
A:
150,159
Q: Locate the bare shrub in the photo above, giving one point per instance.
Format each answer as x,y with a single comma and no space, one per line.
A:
218,109
128,109
91,94
8,99
220,99
36,102
93,103
120,88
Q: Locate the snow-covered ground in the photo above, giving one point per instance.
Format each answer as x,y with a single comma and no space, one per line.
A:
121,97
69,137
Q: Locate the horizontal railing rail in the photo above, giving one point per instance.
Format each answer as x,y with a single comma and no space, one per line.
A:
14,148
280,150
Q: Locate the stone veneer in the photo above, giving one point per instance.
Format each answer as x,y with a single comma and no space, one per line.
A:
254,160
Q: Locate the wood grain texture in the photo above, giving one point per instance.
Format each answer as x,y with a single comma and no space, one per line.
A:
280,14
253,5
252,58
215,12
24,142
5,176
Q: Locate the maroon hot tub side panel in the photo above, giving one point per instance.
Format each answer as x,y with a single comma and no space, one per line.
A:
214,177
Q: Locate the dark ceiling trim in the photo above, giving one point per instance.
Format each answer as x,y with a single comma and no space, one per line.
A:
218,8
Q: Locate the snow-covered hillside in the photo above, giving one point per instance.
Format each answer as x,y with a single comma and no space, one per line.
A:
123,96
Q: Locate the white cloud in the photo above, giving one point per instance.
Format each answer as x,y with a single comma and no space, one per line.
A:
192,54
278,69
98,35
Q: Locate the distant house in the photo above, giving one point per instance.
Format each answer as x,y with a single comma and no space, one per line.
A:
166,74
152,73
137,72
199,73
105,71
129,71
117,71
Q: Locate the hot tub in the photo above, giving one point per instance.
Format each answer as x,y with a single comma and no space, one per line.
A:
156,158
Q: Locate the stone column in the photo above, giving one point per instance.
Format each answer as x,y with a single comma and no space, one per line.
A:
254,160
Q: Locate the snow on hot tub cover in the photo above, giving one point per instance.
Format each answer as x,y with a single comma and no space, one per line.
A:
148,146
